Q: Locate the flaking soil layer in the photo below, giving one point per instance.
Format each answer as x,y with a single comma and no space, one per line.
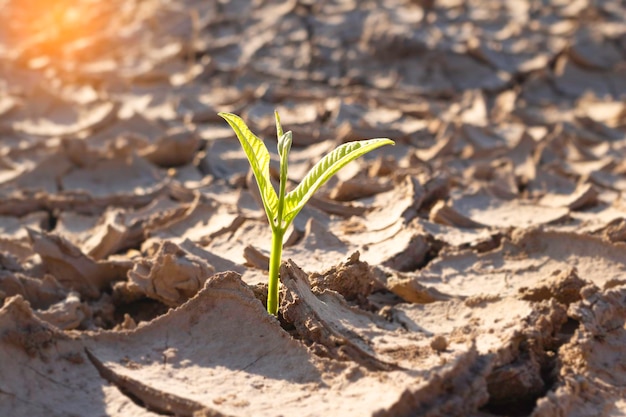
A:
477,268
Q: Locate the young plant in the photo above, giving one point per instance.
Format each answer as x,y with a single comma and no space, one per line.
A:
281,209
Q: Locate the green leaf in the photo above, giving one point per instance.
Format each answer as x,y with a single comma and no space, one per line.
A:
259,159
324,170
279,128
284,146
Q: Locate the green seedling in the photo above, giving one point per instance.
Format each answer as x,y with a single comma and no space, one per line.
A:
281,209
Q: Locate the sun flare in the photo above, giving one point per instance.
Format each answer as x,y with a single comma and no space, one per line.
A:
40,30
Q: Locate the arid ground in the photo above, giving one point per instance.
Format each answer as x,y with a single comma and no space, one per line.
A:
477,268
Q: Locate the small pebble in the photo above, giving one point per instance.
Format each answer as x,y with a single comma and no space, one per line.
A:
439,343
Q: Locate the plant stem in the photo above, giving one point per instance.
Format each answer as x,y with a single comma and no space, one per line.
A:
275,257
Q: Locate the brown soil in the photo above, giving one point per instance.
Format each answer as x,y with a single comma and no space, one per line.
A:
477,268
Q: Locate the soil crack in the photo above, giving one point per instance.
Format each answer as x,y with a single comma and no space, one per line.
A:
152,399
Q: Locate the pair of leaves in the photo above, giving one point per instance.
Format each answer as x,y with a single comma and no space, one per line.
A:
281,210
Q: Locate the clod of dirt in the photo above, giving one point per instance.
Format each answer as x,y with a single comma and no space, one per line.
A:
355,280
570,79
458,237
176,148
584,196
171,276
589,50
439,343
399,244
127,324
256,258
591,378
564,286
9,263
73,269
230,243
523,367
442,213
497,176
220,264
340,208
117,229
202,222
407,196
323,322
40,293
411,290
615,231
17,228
356,188
67,314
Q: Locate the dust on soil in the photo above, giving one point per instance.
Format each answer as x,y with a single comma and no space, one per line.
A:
477,268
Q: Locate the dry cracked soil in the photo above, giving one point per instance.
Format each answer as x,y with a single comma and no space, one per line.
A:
477,268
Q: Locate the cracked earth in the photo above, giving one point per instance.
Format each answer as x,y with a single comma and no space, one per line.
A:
477,268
